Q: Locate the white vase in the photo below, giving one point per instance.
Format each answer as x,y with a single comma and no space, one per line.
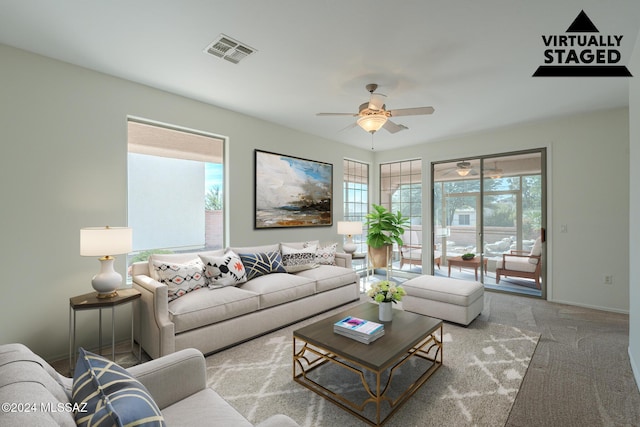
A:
385,312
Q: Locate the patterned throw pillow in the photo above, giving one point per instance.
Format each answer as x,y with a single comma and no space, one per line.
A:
295,260
261,264
327,255
221,271
180,278
110,396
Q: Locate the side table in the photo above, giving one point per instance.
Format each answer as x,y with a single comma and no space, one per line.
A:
360,258
90,301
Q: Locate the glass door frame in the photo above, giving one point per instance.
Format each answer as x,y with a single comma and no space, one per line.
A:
484,162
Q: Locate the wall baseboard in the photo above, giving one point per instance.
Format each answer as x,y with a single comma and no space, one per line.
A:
634,368
595,307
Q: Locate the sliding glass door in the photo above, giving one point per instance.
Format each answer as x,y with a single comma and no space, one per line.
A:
491,209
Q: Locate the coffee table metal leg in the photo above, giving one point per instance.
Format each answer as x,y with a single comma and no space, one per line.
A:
304,363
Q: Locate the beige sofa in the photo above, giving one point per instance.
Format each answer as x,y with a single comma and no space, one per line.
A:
212,319
34,394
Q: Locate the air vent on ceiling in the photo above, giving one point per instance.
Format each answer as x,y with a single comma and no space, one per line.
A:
227,48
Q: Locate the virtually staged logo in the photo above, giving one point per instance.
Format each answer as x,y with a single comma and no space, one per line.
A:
582,52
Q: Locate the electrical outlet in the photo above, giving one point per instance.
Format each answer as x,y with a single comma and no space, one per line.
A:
608,279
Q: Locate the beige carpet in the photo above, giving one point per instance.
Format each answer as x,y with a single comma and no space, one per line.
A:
484,365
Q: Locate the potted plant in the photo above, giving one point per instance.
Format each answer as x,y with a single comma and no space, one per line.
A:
385,293
385,229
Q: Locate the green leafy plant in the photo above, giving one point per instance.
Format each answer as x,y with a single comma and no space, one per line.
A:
213,199
468,256
386,291
385,228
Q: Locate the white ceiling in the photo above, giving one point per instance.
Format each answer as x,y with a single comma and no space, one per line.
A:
471,60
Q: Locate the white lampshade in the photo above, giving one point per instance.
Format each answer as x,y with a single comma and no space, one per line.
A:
372,122
104,242
349,228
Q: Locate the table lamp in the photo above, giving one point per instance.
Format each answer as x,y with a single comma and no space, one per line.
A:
104,242
349,228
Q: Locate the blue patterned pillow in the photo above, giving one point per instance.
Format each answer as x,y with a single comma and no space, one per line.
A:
109,396
260,264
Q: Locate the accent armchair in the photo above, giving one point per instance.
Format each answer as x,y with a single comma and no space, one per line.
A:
411,251
521,264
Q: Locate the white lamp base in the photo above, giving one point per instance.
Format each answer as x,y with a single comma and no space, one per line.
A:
108,280
349,247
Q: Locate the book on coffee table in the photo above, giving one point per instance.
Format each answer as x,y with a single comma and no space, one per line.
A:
361,330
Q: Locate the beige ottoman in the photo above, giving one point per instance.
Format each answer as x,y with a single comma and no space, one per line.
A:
454,300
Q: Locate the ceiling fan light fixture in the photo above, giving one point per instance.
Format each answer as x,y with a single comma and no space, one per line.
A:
463,168
372,122
496,174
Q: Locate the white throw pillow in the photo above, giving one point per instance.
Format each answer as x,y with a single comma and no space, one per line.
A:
536,250
180,278
327,255
295,260
226,270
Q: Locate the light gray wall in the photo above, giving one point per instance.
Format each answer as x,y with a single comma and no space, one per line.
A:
588,173
64,166
634,213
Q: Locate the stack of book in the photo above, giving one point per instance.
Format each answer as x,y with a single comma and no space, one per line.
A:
364,331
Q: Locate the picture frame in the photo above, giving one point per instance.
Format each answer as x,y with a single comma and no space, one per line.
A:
292,192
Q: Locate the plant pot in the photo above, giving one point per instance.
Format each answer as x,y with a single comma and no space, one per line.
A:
379,257
385,312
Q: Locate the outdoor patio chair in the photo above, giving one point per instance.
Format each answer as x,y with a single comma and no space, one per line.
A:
411,250
521,264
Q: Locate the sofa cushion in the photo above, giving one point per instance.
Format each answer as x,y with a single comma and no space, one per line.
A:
179,258
110,395
262,263
205,407
226,270
330,277
27,380
517,263
275,289
180,278
207,306
536,250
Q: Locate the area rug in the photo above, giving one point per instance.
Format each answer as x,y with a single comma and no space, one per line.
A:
483,367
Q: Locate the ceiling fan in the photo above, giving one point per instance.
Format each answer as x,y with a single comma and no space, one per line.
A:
373,115
462,168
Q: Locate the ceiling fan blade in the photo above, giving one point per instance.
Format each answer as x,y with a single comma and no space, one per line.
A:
376,101
337,114
393,127
411,111
351,126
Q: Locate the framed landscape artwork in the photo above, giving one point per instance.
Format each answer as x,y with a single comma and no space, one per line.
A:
292,192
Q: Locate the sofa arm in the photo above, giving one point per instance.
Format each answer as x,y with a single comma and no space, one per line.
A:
278,420
343,259
174,377
154,331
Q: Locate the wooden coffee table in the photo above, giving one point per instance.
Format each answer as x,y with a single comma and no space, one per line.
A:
467,263
406,337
